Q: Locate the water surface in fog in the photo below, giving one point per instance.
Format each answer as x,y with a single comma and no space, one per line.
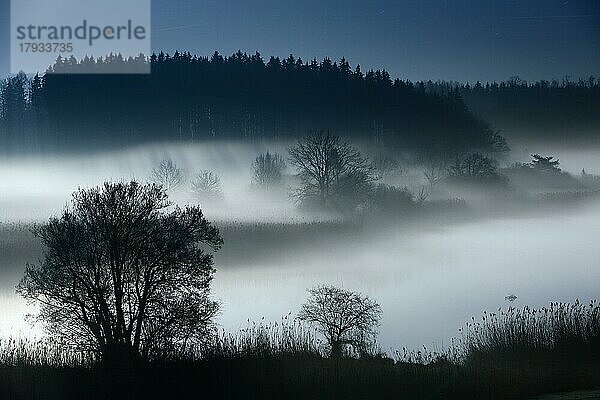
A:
429,280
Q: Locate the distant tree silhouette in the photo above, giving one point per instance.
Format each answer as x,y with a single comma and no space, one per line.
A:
542,109
331,170
168,174
498,142
387,166
474,165
243,96
433,174
544,163
391,199
123,276
206,185
590,180
13,108
267,169
343,317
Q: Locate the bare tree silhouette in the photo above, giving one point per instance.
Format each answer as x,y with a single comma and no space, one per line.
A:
433,174
267,169
474,165
330,169
207,186
387,167
168,174
123,276
342,316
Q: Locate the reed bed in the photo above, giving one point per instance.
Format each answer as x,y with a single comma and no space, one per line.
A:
287,337
24,352
512,353
563,328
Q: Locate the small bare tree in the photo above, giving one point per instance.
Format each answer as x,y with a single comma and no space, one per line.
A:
433,174
422,195
168,174
207,185
344,317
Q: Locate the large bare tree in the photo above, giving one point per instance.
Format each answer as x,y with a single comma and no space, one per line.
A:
330,169
344,317
124,273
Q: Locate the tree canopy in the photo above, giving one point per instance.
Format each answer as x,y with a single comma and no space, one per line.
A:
267,170
124,272
332,172
243,96
342,316
544,163
543,109
168,175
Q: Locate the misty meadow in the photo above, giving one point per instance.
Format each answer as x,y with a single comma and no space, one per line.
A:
237,227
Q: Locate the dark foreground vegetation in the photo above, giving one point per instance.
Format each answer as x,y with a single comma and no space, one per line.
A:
510,354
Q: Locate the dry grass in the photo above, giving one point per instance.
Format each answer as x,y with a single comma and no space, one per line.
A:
516,353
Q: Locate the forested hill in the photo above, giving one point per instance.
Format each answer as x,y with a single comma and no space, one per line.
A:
237,97
568,110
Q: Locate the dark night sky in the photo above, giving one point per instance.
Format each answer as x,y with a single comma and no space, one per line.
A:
417,39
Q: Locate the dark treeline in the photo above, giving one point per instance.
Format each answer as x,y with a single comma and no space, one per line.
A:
544,109
188,97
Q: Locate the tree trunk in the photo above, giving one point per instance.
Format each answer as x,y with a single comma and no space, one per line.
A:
119,356
336,349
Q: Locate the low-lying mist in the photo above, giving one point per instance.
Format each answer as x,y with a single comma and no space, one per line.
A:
430,275
429,280
34,187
